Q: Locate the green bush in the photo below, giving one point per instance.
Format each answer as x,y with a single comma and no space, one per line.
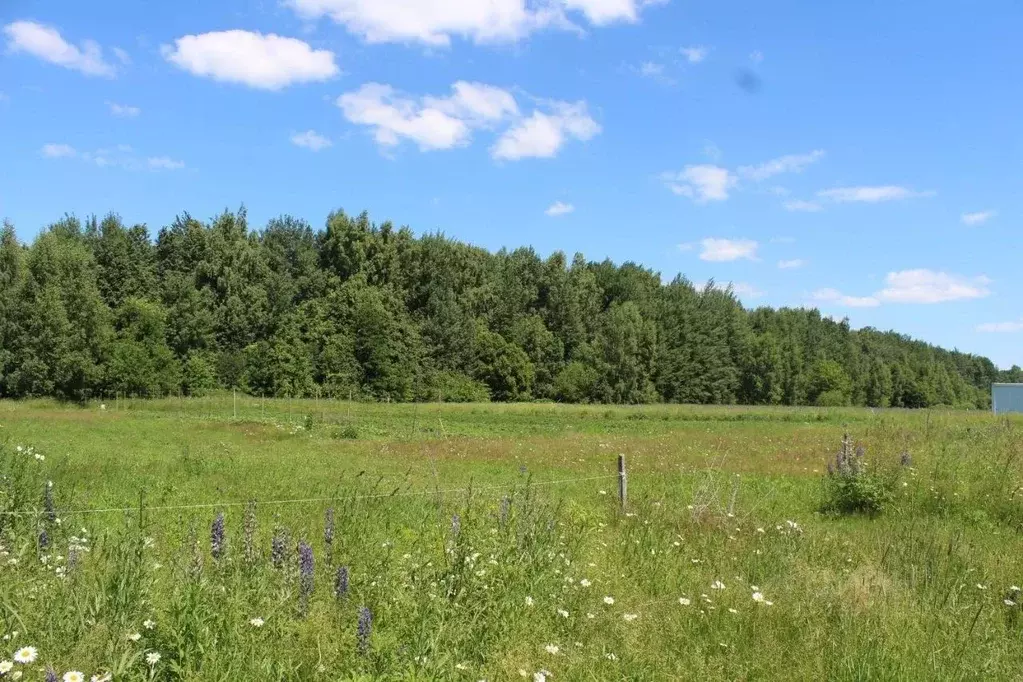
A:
851,487
347,432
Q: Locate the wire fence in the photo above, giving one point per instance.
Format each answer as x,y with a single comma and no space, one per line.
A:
306,500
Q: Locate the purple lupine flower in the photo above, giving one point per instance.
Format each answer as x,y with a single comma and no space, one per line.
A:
278,548
365,628
72,559
249,527
456,525
328,527
504,510
905,459
341,582
217,539
51,675
305,573
48,506
44,539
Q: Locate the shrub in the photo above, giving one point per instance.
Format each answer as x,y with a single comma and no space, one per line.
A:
347,432
851,487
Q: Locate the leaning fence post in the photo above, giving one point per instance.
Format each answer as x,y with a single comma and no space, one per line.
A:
623,490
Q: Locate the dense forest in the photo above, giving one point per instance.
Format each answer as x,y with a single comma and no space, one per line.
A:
373,311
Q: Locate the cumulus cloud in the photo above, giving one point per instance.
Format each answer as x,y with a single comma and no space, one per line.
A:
164,163
722,250
436,22
802,206
791,264
46,43
1001,327
694,54
790,163
703,182
56,151
267,62
542,135
559,208
920,286
311,139
835,296
123,110
870,195
978,218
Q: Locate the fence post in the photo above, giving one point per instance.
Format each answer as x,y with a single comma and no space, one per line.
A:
623,491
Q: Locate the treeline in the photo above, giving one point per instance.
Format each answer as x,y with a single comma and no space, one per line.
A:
101,308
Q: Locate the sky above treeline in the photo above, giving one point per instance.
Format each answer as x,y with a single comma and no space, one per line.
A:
863,158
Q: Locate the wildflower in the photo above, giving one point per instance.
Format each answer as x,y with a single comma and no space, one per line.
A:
256,622
217,536
529,601
717,585
758,597
610,656
6,667
684,601
732,611
44,539
609,600
540,676
249,530
563,613
341,582
552,649
51,511
461,666
591,616
305,571
456,525
504,511
585,583
105,677
51,675
73,676
981,587
134,637
364,629
152,658
1008,602
328,527
629,617
278,547
148,624
26,654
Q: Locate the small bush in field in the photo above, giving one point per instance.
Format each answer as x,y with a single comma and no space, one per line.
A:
347,432
852,487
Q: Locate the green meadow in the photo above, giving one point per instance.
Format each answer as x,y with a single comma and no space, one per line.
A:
234,538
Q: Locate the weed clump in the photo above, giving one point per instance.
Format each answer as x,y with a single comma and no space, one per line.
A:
852,486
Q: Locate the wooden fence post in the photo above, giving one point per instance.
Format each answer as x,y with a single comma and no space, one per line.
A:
623,491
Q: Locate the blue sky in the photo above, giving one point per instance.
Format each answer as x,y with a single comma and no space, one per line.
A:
864,158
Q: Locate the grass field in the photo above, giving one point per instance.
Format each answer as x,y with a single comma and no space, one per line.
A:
451,542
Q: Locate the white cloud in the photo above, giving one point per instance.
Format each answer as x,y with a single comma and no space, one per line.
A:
978,218
870,194
790,163
1001,327
651,70
311,139
740,289
268,62
756,56
720,250
791,264
435,22
121,55
804,206
46,43
430,122
542,135
164,163
704,182
694,54
559,208
927,286
835,296
56,151
919,286
687,246
123,110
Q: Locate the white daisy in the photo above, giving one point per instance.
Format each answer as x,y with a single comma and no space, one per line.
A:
717,585
758,597
529,601
149,624
629,617
256,622
609,600
73,676
684,601
563,613
152,658
26,654
5,667
552,649
585,583
134,637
